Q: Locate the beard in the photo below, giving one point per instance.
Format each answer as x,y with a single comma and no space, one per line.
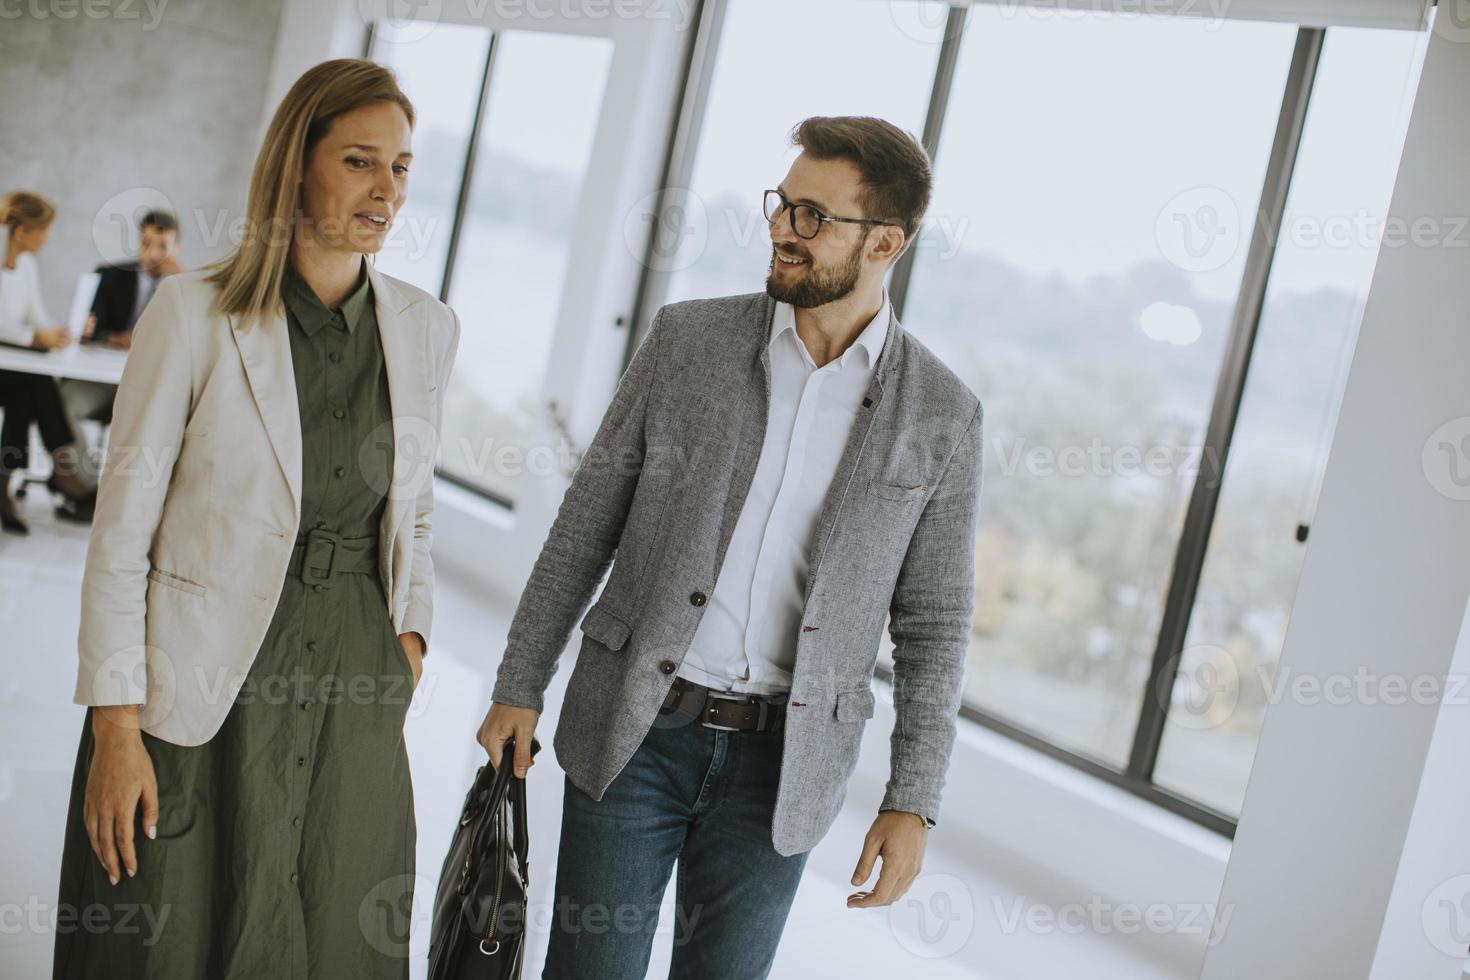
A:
817,287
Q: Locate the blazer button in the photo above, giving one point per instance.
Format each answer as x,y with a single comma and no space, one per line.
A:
668,666
697,599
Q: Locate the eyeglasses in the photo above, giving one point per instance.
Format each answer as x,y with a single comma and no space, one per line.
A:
806,221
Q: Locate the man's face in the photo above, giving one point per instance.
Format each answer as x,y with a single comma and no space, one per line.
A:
810,272
156,247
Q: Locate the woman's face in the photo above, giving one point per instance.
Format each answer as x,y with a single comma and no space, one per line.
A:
30,238
357,178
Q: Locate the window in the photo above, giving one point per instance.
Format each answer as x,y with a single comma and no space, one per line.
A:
1092,324
1319,281
502,260
823,60
535,143
440,72
1097,179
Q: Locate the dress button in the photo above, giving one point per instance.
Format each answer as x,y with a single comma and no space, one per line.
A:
337,413
697,598
296,821
311,646
306,704
317,588
321,523
301,760
341,471
668,666
334,357
293,877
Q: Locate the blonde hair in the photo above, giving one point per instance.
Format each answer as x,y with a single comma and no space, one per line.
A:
250,278
24,209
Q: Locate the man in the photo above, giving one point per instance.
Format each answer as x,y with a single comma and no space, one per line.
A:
122,293
775,472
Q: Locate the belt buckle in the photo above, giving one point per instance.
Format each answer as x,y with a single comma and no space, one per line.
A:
320,543
739,698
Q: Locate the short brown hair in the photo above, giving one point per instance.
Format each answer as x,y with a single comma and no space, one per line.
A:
160,220
898,176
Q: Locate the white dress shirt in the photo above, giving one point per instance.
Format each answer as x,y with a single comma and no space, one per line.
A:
746,640
21,311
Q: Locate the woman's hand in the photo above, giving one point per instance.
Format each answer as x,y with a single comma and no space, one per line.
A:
413,649
120,777
51,338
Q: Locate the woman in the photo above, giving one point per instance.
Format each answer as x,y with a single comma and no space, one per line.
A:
25,222
257,593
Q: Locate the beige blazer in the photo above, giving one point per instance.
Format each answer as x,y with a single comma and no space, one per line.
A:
200,499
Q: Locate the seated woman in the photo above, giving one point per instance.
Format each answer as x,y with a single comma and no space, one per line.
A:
25,221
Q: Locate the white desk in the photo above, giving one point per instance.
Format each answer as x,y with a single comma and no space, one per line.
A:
84,362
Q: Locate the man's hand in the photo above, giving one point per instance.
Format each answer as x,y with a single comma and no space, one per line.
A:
899,838
119,341
51,338
413,649
120,778
501,723
90,327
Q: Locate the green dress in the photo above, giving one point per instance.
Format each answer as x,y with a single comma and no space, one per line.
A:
285,844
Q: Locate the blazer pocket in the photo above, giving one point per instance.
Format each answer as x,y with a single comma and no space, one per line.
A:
173,581
894,491
605,628
855,705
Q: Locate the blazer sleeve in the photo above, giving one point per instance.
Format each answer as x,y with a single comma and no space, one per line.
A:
930,621
149,415
103,299
579,548
420,614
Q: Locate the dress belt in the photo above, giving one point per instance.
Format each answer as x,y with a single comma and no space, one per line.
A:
319,556
729,711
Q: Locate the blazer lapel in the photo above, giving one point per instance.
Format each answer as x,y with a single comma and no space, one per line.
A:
265,350
884,373
409,391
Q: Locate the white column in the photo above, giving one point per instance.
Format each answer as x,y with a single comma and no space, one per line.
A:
1353,833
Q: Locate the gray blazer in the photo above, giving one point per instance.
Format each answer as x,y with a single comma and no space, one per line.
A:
660,488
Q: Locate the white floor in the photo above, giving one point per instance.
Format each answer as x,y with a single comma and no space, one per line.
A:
956,923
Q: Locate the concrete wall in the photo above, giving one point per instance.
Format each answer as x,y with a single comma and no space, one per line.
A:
111,106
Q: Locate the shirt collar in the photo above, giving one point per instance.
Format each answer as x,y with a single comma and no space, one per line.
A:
869,341
312,313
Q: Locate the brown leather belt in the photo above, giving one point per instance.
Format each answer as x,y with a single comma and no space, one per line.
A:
728,711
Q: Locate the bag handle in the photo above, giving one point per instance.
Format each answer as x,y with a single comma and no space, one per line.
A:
500,783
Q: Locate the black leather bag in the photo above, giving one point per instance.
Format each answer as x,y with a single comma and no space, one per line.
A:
479,925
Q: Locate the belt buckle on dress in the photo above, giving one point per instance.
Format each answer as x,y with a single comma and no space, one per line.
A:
740,699
320,543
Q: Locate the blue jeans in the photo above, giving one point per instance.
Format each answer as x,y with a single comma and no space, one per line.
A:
690,794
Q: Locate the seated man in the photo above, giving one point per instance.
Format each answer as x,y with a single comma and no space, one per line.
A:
122,293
